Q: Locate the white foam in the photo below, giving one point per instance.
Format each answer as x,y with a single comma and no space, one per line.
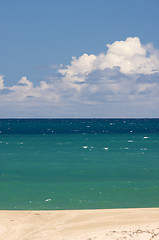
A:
130,141
146,137
85,146
106,148
48,200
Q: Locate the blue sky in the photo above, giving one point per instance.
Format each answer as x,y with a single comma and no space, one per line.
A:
39,78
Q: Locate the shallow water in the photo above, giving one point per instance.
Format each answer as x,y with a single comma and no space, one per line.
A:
79,164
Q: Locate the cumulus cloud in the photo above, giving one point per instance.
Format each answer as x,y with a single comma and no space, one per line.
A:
130,56
25,90
128,73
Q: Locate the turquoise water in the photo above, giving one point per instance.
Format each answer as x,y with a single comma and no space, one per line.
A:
79,164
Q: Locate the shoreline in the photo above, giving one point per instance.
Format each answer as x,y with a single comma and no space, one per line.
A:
99,224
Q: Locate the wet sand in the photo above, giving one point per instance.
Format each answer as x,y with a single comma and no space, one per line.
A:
109,224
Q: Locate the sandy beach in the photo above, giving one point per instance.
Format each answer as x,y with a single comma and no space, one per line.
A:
137,224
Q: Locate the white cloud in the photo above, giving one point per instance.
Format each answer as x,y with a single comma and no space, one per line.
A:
1,82
25,90
126,75
82,66
75,73
130,56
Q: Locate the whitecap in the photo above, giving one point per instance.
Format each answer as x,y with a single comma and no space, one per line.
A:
106,148
130,141
143,149
48,200
85,146
146,137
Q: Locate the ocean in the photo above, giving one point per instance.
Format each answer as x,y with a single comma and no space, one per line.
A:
55,164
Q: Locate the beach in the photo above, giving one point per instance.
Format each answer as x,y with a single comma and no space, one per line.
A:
51,165
102,224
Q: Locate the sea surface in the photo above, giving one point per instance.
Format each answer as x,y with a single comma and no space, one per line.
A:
79,163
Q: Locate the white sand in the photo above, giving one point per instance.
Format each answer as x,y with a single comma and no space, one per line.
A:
116,224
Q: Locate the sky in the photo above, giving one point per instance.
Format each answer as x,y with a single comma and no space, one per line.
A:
79,59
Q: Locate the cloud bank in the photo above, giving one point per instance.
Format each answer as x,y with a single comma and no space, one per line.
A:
123,82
